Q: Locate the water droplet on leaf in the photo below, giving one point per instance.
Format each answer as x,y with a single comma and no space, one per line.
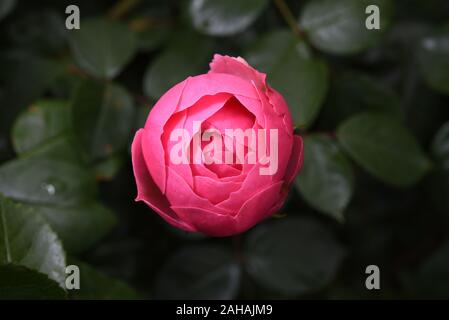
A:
49,188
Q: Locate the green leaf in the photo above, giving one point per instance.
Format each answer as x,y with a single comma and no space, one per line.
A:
425,110
224,17
26,239
438,182
152,38
187,55
326,180
353,92
6,6
19,282
433,58
338,26
202,272
437,189
102,48
16,93
440,146
384,147
42,121
108,168
42,31
292,70
79,227
293,256
48,176
102,118
431,279
55,182
95,285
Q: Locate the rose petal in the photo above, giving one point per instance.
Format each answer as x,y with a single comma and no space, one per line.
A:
208,221
253,183
238,67
217,225
260,206
223,170
147,190
183,169
233,115
285,134
154,155
214,190
296,160
166,106
204,108
211,84
180,194
183,120
152,145
280,107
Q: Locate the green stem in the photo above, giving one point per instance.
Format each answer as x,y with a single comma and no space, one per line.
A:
289,18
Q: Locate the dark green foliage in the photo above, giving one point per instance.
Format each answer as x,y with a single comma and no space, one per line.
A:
326,180
371,106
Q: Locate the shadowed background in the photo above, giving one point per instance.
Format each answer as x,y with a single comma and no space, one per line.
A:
371,105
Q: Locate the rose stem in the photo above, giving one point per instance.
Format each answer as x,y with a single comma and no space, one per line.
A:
289,18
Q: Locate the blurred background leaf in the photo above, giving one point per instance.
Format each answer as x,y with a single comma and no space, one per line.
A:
102,118
431,278
338,26
224,17
293,256
16,93
440,146
6,7
353,92
29,241
187,55
102,48
40,32
202,272
42,121
19,282
326,180
384,147
54,182
95,285
434,60
371,106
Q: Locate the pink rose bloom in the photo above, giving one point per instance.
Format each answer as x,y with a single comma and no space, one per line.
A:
215,196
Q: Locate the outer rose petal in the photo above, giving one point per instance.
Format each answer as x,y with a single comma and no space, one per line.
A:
260,206
147,190
275,121
280,107
252,184
180,194
217,225
238,67
296,160
211,84
207,221
159,114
